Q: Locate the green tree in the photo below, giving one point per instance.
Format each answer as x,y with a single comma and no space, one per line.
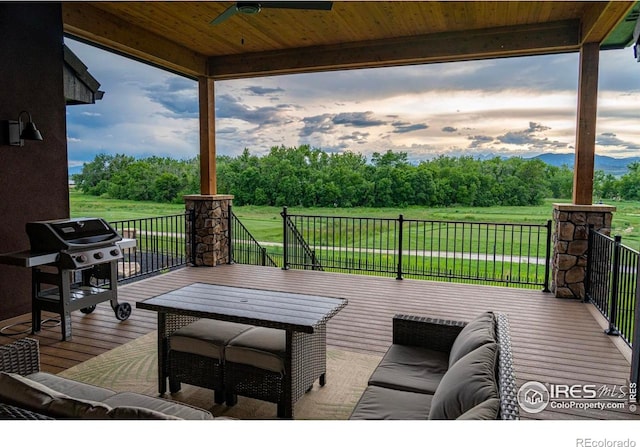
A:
95,176
166,187
559,181
629,183
605,186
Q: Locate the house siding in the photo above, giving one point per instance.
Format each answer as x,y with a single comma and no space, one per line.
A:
33,178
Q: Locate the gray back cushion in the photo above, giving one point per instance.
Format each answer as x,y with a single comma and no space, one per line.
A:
469,382
26,393
477,332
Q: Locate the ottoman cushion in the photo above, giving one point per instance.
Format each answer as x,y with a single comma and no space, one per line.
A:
259,347
206,337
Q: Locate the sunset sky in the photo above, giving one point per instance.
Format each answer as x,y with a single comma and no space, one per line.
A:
516,106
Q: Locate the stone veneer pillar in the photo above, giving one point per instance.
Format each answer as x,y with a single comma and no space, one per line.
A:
210,229
570,240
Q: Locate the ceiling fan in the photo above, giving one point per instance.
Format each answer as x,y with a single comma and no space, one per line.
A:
254,8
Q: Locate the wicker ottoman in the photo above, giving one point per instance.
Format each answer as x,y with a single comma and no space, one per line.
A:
257,366
196,353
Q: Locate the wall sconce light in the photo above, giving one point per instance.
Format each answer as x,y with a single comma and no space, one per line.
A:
18,131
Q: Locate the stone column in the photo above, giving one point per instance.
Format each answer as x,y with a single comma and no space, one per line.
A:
210,229
570,240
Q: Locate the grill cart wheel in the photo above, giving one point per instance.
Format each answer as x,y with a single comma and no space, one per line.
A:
123,311
88,310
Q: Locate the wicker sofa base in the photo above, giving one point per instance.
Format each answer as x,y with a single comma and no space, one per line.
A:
9,412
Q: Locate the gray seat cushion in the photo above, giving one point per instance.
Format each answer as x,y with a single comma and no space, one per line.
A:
385,403
469,382
142,402
259,347
206,337
487,410
410,368
476,333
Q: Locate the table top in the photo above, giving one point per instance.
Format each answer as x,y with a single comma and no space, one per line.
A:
281,310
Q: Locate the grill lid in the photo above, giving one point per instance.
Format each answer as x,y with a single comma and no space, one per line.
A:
70,234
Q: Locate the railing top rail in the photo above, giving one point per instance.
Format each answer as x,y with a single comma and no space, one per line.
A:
420,220
612,240
148,218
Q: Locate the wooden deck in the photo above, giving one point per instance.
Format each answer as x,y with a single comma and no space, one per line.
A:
554,341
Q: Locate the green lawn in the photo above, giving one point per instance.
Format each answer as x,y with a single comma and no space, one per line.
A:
111,209
265,222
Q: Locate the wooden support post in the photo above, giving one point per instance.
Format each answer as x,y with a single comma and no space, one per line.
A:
586,125
207,136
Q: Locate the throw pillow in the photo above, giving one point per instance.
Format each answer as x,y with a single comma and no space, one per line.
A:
477,332
469,382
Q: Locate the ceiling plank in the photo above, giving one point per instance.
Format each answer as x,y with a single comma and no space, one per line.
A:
89,23
522,40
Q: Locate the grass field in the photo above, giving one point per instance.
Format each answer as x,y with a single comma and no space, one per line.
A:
265,222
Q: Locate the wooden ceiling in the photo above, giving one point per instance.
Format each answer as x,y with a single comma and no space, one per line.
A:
357,34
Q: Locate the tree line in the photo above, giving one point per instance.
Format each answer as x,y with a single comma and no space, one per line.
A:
310,177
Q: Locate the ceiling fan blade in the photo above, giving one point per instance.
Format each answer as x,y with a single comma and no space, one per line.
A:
229,12
318,6
255,7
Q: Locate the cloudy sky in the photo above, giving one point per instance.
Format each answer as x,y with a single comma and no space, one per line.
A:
518,106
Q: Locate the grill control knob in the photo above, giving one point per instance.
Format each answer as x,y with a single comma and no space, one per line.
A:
81,258
98,255
114,252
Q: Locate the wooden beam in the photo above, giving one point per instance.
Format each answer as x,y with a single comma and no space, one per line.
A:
586,125
89,23
206,102
522,40
601,18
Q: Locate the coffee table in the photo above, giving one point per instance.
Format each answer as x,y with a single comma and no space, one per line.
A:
302,317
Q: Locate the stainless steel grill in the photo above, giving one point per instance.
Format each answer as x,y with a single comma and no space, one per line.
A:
80,242
85,249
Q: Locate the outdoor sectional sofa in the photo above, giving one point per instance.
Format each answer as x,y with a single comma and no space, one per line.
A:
28,393
437,369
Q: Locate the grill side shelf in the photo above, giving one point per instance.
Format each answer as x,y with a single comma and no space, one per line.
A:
28,258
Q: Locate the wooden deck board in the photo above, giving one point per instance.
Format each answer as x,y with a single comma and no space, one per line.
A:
554,340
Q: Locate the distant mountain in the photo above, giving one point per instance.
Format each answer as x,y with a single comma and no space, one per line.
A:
610,165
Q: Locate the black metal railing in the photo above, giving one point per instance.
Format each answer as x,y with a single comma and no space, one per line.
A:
160,245
612,275
489,253
244,248
296,252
